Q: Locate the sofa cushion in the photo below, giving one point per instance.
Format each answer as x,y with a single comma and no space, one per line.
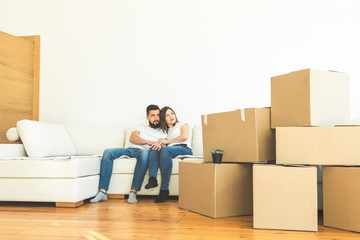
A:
12,151
42,139
57,167
91,139
124,165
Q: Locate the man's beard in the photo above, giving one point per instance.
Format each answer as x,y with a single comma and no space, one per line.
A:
154,125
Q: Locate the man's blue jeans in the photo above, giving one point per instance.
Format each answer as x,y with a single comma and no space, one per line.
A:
163,158
107,163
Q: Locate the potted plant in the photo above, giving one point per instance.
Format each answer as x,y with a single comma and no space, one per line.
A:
217,154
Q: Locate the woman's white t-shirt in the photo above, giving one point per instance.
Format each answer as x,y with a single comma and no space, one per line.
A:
175,131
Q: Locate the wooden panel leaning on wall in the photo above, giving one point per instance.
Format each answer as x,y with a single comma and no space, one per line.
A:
19,80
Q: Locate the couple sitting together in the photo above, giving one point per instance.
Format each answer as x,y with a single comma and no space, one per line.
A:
153,146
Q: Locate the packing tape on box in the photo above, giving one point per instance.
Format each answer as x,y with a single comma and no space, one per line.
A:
242,112
205,119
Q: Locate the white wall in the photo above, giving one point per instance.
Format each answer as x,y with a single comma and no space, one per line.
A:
106,60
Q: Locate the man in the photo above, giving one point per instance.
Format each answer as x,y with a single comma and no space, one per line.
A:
142,139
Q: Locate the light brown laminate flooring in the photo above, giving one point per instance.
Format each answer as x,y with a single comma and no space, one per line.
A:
116,219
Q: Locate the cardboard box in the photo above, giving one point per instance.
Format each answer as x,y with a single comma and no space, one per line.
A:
318,145
342,197
245,135
216,190
310,97
285,197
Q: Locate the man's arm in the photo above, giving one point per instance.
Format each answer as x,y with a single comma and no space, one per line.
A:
136,139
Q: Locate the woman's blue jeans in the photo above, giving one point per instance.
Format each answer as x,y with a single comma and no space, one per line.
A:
107,163
163,159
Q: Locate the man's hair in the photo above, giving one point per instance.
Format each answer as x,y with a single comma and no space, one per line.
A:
151,107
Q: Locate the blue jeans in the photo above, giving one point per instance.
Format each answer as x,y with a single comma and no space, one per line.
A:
107,162
153,163
165,162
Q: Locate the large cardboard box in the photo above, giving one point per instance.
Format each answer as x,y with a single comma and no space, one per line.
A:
285,197
342,197
216,190
245,135
318,145
310,97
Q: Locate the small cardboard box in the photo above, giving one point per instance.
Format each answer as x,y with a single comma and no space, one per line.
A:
318,145
310,97
285,197
245,135
216,190
342,197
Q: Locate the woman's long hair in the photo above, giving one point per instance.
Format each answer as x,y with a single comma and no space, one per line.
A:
163,124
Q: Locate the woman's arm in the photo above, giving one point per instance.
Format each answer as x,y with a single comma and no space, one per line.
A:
185,129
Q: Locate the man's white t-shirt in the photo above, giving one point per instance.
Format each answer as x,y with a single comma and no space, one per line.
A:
148,133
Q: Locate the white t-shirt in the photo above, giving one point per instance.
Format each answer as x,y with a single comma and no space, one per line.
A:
175,131
148,133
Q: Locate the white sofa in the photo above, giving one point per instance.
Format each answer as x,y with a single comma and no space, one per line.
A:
61,162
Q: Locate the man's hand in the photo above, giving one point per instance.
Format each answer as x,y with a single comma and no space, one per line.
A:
155,146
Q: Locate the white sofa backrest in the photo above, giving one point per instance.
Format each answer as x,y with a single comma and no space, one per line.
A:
53,139
92,139
197,143
129,130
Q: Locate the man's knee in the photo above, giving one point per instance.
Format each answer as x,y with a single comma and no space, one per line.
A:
108,154
113,153
142,155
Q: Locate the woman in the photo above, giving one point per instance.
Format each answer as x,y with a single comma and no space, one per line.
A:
178,142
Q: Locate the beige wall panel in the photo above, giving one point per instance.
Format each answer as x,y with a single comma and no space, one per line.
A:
19,80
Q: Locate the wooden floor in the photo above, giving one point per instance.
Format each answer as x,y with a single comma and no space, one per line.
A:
116,219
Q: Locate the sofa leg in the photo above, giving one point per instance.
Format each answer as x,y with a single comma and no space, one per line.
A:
121,196
69,204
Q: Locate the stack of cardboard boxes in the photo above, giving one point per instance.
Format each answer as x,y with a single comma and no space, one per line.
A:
306,106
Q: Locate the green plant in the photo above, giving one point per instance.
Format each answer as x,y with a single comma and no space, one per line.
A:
217,150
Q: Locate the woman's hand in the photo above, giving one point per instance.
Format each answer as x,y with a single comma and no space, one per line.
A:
163,142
